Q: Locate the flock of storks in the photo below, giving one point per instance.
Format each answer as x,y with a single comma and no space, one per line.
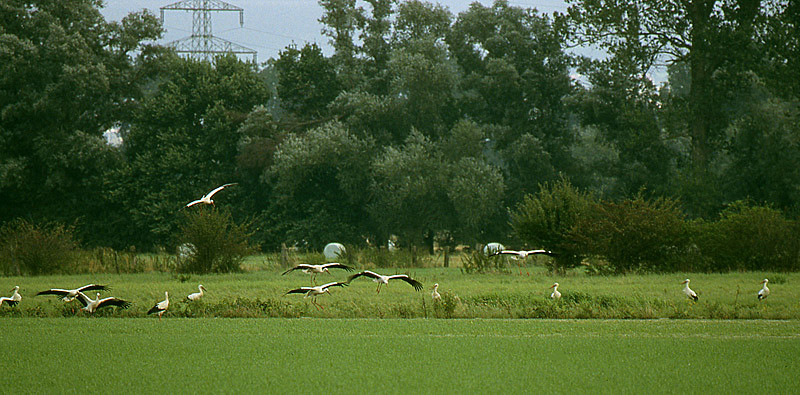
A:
91,305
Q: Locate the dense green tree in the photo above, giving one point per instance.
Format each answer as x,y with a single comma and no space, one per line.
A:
516,76
410,198
623,106
420,21
719,41
763,155
423,86
548,219
307,81
320,187
475,190
66,76
376,28
183,142
341,20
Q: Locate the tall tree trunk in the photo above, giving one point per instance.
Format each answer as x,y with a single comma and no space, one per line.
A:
429,242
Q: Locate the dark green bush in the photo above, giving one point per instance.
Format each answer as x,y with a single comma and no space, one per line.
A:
211,242
545,220
478,262
748,237
636,235
34,249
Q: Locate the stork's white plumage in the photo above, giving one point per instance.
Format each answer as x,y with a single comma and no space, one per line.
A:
688,291
91,305
435,294
12,300
381,279
206,199
160,307
555,294
521,254
318,269
197,295
764,292
313,292
68,295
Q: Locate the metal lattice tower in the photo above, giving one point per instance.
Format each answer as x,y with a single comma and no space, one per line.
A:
202,45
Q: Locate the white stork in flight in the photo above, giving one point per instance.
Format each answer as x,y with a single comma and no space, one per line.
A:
521,255
764,292
318,269
13,299
381,279
160,307
68,295
313,292
688,291
197,295
91,305
555,295
207,198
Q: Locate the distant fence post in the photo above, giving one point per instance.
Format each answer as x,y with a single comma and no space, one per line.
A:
284,255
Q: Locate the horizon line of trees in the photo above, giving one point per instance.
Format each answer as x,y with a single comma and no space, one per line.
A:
421,124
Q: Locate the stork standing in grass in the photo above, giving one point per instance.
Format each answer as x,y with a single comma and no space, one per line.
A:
555,295
381,279
688,291
435,294
207,198
318,269
91,305
69,295
197,295
313,292
160,307
764,292
12,300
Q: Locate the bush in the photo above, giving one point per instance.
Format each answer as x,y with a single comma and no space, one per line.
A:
750,238
546,220
27,248
478,262
218,244
636,235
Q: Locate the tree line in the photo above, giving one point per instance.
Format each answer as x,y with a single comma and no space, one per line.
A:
421,124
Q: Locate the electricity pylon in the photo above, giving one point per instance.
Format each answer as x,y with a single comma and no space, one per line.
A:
202,44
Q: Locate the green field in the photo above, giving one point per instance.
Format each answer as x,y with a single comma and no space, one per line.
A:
260,293
727,342
52,355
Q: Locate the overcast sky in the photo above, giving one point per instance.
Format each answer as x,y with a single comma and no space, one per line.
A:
271,25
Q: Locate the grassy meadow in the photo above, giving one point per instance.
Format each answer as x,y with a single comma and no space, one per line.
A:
53,355
259,292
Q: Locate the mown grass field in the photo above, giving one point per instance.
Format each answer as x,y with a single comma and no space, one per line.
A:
126,355
260,293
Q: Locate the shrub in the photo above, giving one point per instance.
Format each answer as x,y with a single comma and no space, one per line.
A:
546,219
27,248
219,244
636,235
478,262
750,238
